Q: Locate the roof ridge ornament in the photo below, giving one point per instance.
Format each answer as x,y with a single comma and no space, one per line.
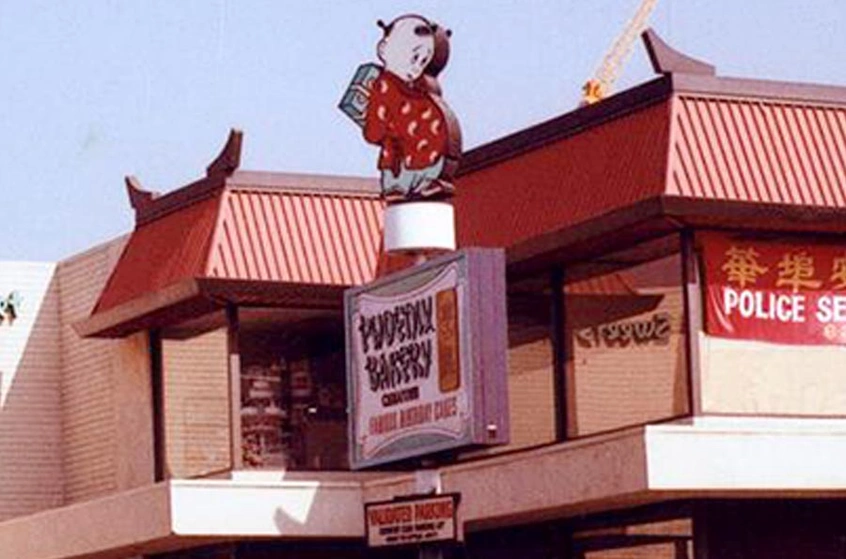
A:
229,159
150,205
667,60
139,198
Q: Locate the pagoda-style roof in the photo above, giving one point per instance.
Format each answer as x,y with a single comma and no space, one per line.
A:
688,148
240,237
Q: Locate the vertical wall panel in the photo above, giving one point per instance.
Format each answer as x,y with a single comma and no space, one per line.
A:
30,426
89,428
196,404
531,394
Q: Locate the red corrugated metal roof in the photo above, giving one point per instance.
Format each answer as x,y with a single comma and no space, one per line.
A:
161,253
296,237
701,138
676,139
571,180
758,151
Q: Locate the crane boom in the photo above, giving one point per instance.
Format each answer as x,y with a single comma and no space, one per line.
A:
599,86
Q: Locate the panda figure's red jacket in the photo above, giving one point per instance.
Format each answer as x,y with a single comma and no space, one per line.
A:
408,122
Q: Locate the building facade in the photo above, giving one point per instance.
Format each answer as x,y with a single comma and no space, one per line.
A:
179,392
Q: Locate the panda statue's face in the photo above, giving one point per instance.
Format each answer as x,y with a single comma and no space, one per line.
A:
408,48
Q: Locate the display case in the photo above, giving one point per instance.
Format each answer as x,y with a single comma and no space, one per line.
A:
293,395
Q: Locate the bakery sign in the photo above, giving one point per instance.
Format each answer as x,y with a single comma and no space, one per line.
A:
426,359
790,291
412,520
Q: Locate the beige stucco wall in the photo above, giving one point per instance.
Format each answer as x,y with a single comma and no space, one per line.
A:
531,398
75,415
531,395
762,378
133,405
105,393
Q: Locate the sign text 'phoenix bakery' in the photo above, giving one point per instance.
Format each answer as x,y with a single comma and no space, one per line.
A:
416,362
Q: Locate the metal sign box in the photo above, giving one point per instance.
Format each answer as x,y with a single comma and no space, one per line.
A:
426,359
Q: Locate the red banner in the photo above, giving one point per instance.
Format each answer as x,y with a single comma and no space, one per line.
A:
786,291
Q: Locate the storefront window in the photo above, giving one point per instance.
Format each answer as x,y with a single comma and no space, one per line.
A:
624,338
293,394
290,402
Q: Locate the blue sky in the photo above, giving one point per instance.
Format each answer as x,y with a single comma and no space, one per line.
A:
93,90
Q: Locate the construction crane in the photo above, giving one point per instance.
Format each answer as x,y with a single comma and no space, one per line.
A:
599,86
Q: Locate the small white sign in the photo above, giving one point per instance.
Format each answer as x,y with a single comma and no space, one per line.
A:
412,521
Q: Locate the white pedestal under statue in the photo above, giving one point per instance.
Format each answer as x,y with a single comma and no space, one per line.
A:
419,226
